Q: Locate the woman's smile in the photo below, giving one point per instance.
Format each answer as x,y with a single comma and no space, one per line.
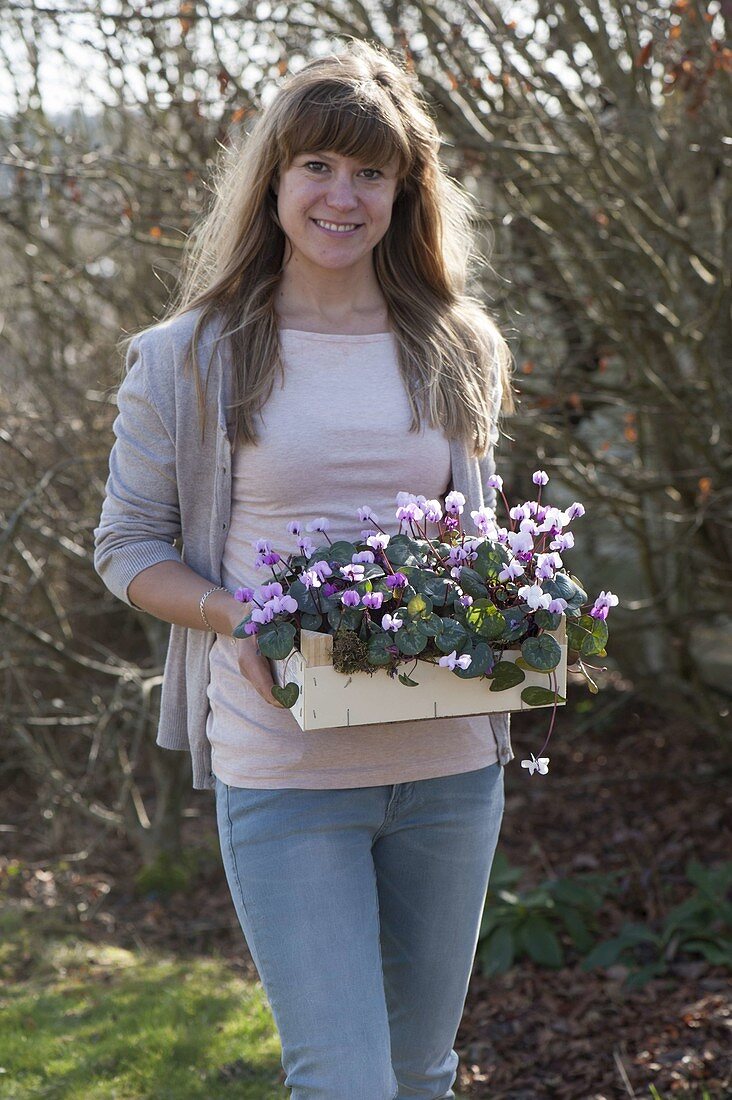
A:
337,229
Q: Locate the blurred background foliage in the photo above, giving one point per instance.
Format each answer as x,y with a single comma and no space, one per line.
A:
593,134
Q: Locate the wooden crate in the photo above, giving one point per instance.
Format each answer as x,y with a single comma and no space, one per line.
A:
328,698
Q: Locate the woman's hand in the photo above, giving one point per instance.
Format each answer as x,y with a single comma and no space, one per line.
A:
255,668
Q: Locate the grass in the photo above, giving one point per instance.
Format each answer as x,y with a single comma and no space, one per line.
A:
82,1021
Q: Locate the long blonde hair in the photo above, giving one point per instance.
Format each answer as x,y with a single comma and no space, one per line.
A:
455,365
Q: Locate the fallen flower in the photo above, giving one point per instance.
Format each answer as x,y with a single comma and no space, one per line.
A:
541,765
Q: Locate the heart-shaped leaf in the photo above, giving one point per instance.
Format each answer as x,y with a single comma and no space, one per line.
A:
287,695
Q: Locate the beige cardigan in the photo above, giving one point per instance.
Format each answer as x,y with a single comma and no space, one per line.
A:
168,486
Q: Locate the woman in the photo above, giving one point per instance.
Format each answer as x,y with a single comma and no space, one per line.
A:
333,262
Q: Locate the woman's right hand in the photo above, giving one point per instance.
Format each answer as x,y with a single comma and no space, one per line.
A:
255,668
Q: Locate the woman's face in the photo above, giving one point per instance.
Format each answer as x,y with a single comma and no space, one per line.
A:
334,209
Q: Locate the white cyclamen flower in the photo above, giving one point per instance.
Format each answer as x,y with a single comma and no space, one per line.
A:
541,765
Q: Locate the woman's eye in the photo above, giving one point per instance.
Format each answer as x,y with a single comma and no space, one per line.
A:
315,165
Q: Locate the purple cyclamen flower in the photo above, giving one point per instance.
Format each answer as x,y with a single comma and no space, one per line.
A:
562,542
433,511
520,541
352,572
465,601
457,555
373,600
390,622
454,503
263,614
321,524
557,605
322,569
363,555
450,660
484,519
294,527
244,595
251,628
494,481
451,523
282,603
270,559
540,477
520,511
262,546
396,580
268,591
306,546
410,511
350,598
511,571
329,589
576,510
377,540
310,578
603,603
365,514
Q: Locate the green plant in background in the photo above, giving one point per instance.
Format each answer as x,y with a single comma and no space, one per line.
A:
700,925
527,923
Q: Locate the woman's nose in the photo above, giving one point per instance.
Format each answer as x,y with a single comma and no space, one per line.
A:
342,193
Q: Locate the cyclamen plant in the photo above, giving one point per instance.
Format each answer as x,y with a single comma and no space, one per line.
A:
445,597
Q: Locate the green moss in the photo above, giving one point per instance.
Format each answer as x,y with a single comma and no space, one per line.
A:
95,1021
350,653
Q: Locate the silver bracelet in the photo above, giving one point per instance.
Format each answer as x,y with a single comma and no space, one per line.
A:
204,597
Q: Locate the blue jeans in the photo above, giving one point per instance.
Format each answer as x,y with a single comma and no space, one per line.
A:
361,908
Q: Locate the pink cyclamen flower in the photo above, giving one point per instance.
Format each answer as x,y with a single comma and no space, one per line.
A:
377,540
602,605
495,481
450,660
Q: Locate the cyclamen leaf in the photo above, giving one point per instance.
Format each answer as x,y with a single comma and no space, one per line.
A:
541,697
275,640
378,653
506,675
452,636
485,619
287,695
541,653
